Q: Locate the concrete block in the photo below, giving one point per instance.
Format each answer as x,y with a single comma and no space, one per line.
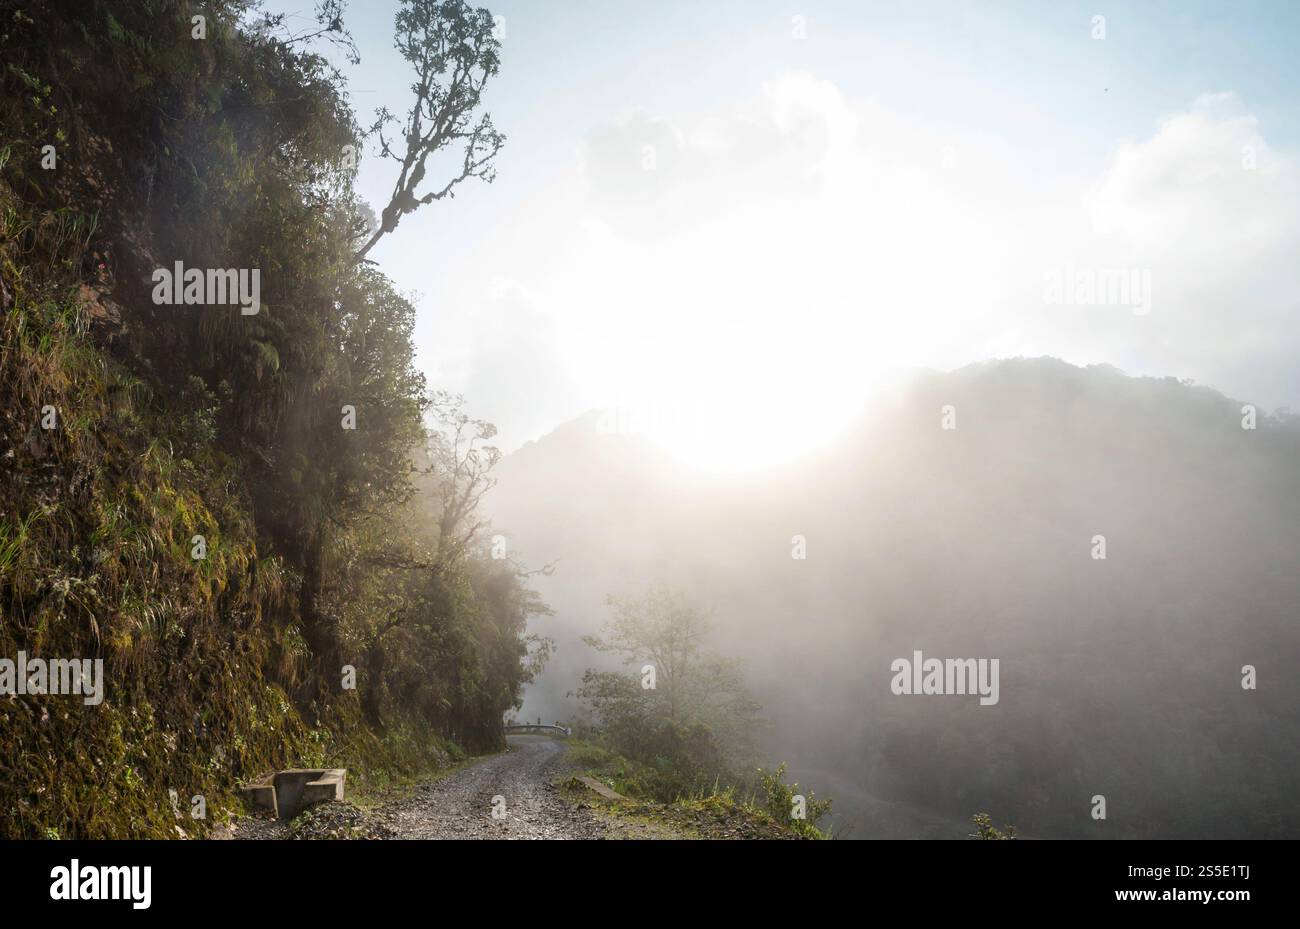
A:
288,792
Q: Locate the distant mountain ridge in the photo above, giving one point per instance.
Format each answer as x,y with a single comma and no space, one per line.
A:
1121,676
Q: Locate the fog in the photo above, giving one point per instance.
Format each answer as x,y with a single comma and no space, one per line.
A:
960,517
726,230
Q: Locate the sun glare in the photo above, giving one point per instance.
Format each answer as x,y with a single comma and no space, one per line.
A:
732,409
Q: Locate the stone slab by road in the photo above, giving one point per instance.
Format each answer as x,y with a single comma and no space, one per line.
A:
460,804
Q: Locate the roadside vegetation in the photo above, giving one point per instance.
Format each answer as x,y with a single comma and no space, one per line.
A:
266,525
677,728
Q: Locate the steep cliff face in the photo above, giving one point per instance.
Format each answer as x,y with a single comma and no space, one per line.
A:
177,498
106,488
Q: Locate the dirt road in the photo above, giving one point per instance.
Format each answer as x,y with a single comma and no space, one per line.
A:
507,796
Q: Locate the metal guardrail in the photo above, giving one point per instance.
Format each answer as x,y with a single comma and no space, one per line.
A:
534,727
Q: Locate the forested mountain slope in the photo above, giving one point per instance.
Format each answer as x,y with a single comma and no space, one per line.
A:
1120,677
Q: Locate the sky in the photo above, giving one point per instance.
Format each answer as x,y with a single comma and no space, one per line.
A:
735,223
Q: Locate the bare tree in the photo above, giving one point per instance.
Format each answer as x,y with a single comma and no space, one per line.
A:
460,463
454,50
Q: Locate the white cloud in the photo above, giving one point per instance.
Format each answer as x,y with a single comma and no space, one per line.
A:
772,262
1206,186
651,177
1210,207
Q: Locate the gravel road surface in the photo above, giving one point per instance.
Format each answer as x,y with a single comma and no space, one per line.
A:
517,784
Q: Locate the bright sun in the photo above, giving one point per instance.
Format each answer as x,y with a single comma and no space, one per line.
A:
728,408
752,327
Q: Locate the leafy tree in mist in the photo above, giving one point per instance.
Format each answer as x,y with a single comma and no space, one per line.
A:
698,716
455,52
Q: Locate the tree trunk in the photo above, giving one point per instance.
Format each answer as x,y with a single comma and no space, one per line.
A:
319,637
